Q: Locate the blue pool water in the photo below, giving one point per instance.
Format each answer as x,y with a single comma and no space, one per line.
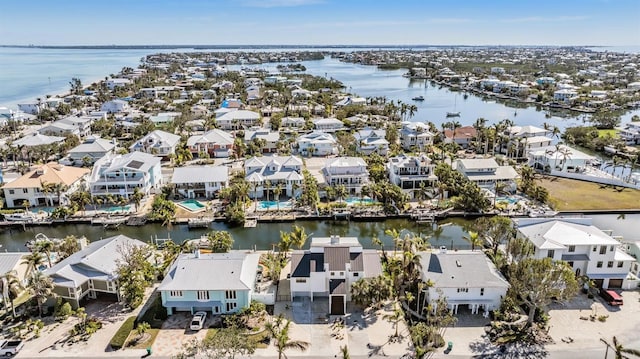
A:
117,208
355,200
509,200
192,205
269,205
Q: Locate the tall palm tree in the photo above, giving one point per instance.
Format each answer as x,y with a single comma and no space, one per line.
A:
279,331
298,236
33,260
277,191
395,318
41,287
474,239
10,289
45,247
618,349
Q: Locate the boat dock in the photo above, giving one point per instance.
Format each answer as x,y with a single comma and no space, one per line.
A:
200,222
250,222
136,221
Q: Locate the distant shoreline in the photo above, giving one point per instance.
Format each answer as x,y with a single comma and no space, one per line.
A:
274,46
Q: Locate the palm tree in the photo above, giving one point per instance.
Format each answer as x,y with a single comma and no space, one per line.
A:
277,191
59,188
279,331
395,318
10,288
298,236
33,260
619,350
344,351
474,239
45,247
137,197
41,287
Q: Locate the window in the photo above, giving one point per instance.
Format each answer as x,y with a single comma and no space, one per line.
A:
612,248
203,295
570,264
230,294
620,264
355,274
595,248
572,248
603,249
610,264
231,306
11,191
599,264
301,280
25,190
216,309
463,290
333,274
175,293
481,291
341,273
550,253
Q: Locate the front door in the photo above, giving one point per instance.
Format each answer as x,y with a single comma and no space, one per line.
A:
337,305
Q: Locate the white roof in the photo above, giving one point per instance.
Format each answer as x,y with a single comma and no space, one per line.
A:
214,136
199,174
551,153
558,234
239,115
37,139
94,145
461,269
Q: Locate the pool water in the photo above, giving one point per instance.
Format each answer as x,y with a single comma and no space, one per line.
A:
509,200
118,208
269,205
355,200
192,205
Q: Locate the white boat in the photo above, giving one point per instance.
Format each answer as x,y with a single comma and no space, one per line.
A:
20,217
453,114
418,98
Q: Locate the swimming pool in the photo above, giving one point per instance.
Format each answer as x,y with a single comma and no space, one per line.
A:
355,200
273,205
192,205
509,200
117,208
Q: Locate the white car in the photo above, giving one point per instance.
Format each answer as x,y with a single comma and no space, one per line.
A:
198,321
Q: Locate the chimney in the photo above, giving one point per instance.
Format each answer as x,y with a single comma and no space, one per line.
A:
443,249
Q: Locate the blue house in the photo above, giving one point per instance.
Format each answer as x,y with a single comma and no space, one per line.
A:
219,283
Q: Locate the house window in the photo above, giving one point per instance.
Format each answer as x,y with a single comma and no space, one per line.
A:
230,294
11,191
570,263
25,190
620,264
595,248
550,253
572,248
463,290
333,274
231,306
216,309
603,249
175,293
203,295
612,248
355,274
341,273
481,291
599,264
301,280
610,264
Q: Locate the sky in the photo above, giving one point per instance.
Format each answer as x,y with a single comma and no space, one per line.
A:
320,22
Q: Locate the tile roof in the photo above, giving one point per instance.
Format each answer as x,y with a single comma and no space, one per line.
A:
51,172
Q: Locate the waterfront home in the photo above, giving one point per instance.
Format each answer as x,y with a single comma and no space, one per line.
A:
216,143
92,272
464,278
546,80
270,139
586,249
350,172
92,149
58,128
328,269
266,173
218,283
236,120
200,181
415,135
36,139
462,136
115,106
370,141
632,247
559,158
565,95
630,133
32,108
113,83
412,173
523,139
13,263
158,143
296,123
327,124
351,101
486,173
317,144
33,187
120,174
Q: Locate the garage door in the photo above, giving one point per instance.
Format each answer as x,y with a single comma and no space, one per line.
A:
598,282
337,305
615,283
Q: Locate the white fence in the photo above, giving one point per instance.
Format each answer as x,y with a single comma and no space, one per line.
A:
596,179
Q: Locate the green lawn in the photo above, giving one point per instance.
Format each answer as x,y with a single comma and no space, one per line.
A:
146,344
573,195
259,337
603,133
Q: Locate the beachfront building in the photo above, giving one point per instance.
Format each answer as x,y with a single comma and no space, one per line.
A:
415,135
216,143
269,139
327,124
412,173
115,106
585,248
239,119
113,83
350,172
565,95
329,267
464,278
120,175
46,185
317,144
486,173
200,181
36,139
218,283
92,272
266,173
157,143
370,141
92,149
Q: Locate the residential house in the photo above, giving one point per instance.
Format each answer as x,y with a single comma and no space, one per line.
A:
157,143
31,186
236,120
586,249
486,173
564,95
266,173
350,172
60,129
270,138
317,144
200,181
115,106
630,133
523,139
36,139
117,82
92,149
216,143
415,135
218,283
559,158
296,123
462,136
328,269
13,263
327,124
464,278
412,173
121,174
370,141
164,118
92,272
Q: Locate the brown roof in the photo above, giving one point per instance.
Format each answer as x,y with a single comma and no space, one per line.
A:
337,258
356,262
51,172
462,132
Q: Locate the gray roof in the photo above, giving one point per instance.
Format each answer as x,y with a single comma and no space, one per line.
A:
200,174
37,139
371,263
337,286
301,263
9,261
235,270
461,269
214,136
94,145
337,258
97,260
367,261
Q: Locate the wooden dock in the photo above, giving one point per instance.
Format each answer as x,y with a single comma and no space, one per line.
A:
250,222
136,221
200,222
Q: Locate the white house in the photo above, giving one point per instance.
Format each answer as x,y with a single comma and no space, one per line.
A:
412,173
121,174
270,138
523,139
157,143
117,82
92,149
370,141
350,172
317,144
216,143
486,172
559,158
283,171
36,139
587,249
465,278
239,119
630,133
564,95
115,106
327,124
329,267
292,122
200,181
415,135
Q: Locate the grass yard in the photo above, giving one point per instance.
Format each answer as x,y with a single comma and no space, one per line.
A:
146,344
604,133
258,337
572,195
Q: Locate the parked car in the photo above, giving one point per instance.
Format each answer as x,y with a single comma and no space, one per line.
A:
611,297
9,348
198,320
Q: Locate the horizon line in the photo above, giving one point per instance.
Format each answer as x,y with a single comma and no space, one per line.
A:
206,46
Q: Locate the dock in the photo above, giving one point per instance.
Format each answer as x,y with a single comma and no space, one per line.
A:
250,222
341,214
108,222
200,222
136,221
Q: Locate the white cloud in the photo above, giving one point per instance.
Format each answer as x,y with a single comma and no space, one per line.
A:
279,3
445,20
545,19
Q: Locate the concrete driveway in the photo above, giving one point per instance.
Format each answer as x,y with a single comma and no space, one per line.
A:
175,333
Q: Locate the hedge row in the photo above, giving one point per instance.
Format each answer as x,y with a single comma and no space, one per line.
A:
118,340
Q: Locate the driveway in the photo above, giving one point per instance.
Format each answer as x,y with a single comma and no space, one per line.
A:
174,334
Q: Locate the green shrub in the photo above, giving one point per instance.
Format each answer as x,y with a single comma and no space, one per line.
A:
155,314
62,311
118,340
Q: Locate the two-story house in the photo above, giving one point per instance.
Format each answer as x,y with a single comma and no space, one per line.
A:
219,283
329,267
120,175
270,139
559,158
200,181
317,144
92,149
236,120
412,173
523,139
327,124
350,172
216,143
266,173
370,141
461,136
486,172
157,143
415,135
586,248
